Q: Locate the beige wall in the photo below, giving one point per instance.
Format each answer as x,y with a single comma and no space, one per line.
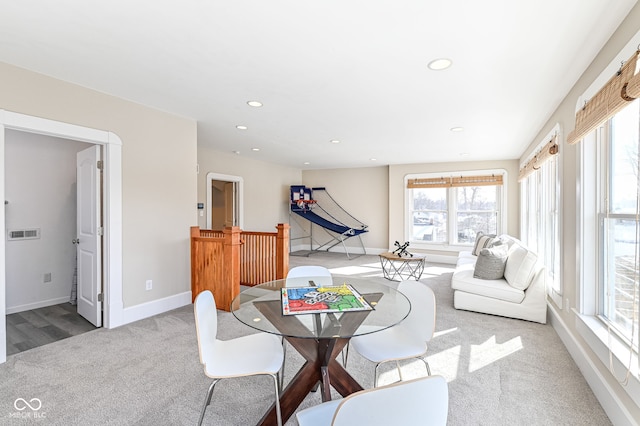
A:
569,159
379,200
364,194
266,187
158,174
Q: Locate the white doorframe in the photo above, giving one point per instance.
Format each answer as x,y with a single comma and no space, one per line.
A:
112,209
226,178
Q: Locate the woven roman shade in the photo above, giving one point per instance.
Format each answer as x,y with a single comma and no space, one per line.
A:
455,181
613,96
543,155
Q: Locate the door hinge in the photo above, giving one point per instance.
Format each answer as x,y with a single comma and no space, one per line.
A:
100,231
100,297
100,164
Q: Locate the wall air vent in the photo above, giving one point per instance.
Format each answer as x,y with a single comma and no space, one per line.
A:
23,234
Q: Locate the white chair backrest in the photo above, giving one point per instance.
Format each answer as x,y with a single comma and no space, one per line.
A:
206,317
422,318
419,402
320,275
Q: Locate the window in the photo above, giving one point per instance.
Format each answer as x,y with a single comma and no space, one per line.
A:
607,239
539,215
451,210
617,245
610,231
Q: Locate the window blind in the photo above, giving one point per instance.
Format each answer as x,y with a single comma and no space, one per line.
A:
455,181
543,155
613,96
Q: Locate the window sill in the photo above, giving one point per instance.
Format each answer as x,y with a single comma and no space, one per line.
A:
595,333
441,246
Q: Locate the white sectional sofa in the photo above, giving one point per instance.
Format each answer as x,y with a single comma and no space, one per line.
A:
520,293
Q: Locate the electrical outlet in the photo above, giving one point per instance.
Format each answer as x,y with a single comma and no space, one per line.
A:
46,277
149,284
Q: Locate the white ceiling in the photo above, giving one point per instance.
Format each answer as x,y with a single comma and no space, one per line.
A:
351,70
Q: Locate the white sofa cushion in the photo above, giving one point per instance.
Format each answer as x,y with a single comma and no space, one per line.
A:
520,267
463,280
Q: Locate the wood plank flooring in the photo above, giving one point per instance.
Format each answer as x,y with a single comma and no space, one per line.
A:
37,327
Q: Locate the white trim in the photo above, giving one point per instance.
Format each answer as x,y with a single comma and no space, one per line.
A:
3,299
113,305
612,405
155,307
36,305
211,176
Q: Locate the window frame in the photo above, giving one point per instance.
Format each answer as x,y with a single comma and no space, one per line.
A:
612,350
452,211
542,189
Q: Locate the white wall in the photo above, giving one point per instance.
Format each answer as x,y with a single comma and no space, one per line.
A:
41,194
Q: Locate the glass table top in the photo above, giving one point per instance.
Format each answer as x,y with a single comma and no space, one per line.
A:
261,307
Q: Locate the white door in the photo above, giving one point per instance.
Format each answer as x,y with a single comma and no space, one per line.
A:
89,235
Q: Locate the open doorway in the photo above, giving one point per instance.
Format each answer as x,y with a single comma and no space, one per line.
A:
113,309
224,201
41,226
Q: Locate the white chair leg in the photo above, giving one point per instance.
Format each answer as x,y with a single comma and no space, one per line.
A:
207,401
426,364
399,369
284,351
375,376
278,413
345,355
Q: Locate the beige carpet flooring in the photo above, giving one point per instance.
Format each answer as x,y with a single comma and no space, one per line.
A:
500,371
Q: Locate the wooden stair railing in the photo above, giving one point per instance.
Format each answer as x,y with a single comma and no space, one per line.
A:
223,260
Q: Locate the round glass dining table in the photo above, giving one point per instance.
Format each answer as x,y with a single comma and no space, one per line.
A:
319,333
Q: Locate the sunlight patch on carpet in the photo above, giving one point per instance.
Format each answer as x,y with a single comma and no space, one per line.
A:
490,352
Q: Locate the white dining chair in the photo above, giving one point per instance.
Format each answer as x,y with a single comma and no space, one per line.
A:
418,402
299,276
406,340
252,355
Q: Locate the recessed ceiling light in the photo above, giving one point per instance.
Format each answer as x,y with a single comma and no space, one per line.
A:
255,149
306,163
373,159
440,64
336,141
464,154
241,127
457,129
236,152
254,103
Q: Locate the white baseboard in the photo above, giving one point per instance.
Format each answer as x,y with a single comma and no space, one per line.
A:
36,305
612,405
155,307
434,258
353,250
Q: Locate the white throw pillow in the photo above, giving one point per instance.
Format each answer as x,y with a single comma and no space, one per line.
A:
482,241
520,267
